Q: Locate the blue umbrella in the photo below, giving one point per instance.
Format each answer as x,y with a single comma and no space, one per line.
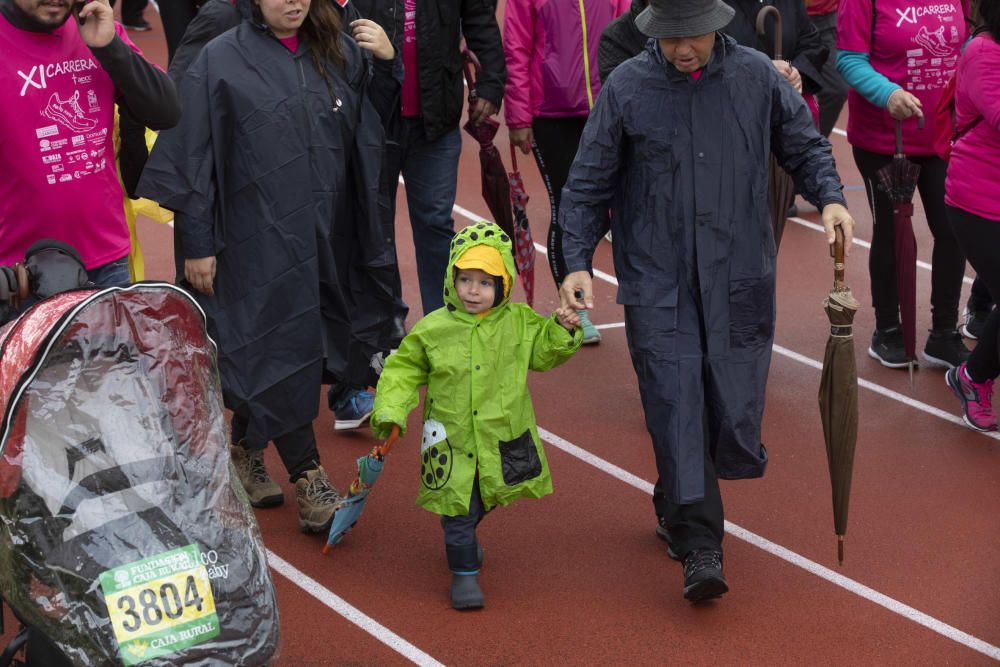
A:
369,468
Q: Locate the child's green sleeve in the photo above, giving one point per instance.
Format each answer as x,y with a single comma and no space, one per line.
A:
552,343
398,388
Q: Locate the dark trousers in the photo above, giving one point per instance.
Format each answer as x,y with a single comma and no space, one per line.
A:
698,525
132,11
175,16
297,448
979,297
460,531
430,169
947,257
833,89
980,239
556,143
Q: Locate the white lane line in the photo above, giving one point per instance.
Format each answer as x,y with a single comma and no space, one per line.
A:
610,325
839,131
848,584
885,391
351,613
865,244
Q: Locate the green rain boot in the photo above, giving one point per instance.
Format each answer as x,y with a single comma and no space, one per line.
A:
591,335
464,563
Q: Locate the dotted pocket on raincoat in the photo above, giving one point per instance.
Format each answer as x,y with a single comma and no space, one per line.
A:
519,459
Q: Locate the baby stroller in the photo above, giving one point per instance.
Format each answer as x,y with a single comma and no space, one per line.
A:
123,538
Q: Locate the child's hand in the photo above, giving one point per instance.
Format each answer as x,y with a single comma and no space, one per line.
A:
568,317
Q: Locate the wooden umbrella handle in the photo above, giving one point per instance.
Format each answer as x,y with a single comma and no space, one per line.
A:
762,15
837,252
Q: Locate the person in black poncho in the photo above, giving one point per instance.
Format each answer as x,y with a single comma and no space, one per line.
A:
278,151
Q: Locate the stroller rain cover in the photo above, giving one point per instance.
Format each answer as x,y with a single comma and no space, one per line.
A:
123,537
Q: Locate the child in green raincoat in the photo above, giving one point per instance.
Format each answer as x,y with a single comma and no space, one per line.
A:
480,445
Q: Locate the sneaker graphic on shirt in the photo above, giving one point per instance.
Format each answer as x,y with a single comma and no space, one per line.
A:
68,113
933,41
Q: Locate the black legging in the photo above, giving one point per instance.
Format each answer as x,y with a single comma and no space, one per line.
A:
948,260
556,142
980,239
175,16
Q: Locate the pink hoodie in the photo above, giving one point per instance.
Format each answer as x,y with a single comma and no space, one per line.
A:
548,73
974,168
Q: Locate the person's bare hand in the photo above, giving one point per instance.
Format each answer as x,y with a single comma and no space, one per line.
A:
836,215
577,291
522,137
371,37
568,317
782,66
96,23
483,109
903,105
200,273
795,78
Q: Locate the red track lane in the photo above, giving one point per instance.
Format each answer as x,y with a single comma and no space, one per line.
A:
579,577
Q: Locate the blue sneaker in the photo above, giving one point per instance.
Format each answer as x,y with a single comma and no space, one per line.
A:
354,411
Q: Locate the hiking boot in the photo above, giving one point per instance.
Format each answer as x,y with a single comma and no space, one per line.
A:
354,411
975,322
591,334
318,500
976,398
249,465
703,578
664,534
945,349
887,347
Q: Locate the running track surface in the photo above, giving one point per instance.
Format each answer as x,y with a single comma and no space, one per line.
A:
580,578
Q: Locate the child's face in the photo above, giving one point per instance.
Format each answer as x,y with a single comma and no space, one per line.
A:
475,289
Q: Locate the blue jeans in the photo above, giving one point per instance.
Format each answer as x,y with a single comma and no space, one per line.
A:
112,274
430,169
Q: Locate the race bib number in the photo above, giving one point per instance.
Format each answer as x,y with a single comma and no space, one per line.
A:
160,605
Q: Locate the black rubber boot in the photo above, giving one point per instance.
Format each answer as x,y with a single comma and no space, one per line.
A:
464,562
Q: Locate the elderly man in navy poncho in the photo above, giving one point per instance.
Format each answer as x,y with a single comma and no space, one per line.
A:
677,148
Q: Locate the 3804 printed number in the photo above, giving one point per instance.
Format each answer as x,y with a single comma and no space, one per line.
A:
151,606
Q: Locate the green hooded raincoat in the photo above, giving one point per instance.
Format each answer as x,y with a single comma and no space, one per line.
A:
477,411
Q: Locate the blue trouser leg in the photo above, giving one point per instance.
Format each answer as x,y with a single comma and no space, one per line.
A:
111,274
430,170
461,530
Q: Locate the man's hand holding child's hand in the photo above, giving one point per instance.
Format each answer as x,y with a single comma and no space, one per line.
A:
568,317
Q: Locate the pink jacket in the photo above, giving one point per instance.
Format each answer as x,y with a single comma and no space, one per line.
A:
974,168
549,74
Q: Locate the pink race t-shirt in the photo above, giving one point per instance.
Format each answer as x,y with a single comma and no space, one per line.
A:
411,76
290,43
57,159
917,45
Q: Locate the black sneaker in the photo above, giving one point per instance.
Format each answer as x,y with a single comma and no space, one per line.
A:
945,349
887,347
703,578
975,322
664,534
140,25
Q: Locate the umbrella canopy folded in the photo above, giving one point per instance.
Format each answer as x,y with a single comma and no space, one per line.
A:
898,180
524,246
369,468
838,394
496,188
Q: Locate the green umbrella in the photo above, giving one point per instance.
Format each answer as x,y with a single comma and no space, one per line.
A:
838,393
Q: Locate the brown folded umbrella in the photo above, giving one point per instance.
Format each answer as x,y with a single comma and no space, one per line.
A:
838,393
780,186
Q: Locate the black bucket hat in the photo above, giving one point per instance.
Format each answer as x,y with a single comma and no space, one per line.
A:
683,18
